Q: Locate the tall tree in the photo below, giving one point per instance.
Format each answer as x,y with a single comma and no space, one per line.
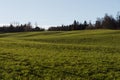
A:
98,23
75,25
109,22
28,27
118,20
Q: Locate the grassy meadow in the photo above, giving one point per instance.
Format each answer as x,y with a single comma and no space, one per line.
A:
59,55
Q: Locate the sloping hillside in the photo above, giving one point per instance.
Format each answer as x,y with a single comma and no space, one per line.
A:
83,55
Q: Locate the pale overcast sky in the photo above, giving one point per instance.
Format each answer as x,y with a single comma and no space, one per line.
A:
55,12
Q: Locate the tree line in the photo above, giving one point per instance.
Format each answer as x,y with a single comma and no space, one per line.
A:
107,22
75,26
20,28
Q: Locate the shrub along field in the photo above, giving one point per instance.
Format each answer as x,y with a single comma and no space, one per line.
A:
72,55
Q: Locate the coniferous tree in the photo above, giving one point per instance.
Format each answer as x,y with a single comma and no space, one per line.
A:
109,22
98,23
118,20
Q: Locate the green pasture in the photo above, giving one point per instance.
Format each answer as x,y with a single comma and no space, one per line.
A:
60,55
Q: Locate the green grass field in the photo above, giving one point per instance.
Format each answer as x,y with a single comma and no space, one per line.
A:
74,55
